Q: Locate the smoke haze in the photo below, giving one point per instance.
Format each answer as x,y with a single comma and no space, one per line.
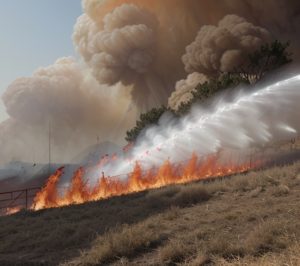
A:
67,96
131,60
232,120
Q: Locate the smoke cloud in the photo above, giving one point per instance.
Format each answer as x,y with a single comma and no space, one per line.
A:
124,43
123,48
220,49
183,89
132,61
67,96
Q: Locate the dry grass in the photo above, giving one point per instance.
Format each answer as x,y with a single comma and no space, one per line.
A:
244,221
247,219
125,241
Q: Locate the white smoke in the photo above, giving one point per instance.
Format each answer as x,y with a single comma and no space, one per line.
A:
252,116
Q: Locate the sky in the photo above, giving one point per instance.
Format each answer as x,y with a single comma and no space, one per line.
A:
144,55
34,34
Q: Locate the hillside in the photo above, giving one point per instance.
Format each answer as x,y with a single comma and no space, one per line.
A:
249,218
96,152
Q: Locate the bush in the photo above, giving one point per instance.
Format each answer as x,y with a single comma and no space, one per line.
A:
208,89
270,56
151,117
261,62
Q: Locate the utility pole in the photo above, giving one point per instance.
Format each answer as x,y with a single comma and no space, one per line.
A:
49,149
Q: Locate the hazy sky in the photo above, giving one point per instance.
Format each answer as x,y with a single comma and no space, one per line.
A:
34,34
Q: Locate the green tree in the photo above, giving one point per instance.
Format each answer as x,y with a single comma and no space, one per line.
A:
151,117
261,62
208,89
270,56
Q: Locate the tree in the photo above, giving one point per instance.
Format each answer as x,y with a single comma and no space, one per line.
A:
151,117
208,89
261,62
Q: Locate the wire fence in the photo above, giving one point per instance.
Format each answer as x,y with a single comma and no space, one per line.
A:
13,201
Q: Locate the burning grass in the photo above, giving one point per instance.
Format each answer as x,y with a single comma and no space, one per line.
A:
139,180
247,219
243,222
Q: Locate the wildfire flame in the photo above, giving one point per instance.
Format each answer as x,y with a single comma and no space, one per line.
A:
46,197
128,147
80,191
102,161
89,169
114,157
12,210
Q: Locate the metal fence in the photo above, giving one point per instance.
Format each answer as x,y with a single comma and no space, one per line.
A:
14,201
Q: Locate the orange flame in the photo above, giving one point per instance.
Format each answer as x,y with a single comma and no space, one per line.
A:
114,157
89,169
102,161
77,192
138,180
48,195
128,147
12,210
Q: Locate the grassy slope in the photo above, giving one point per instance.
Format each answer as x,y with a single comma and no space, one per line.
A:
251,218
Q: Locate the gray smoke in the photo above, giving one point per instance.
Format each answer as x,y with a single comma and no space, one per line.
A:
183,89
67,96
134,48
219,49
122,49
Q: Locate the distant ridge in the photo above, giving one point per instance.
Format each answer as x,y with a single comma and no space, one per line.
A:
96,152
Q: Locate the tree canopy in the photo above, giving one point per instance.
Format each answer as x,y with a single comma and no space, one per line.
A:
206,90
151,117
261,62
269,57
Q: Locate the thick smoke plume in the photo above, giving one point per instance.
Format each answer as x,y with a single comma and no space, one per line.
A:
67,96
125,42
123,48
183,89
218,49
131,60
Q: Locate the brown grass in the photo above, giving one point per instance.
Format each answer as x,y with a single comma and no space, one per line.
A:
231,235
125,241
247,219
